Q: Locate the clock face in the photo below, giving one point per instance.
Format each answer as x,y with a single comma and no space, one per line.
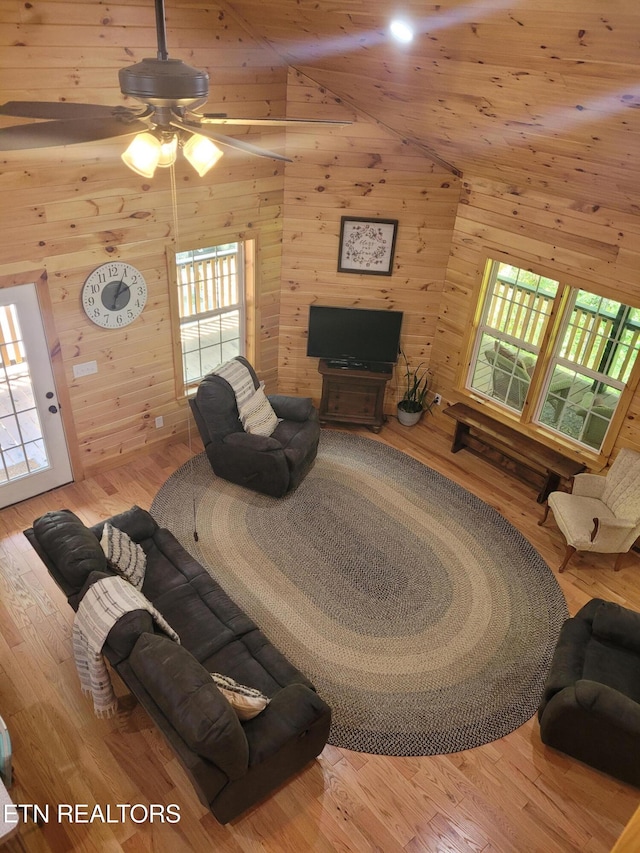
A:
114,295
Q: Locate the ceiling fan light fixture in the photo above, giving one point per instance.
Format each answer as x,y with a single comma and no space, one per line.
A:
202,153
168,151
143,154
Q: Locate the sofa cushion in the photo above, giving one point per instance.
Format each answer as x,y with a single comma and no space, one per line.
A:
617,625
281,670
139,524
299,440
615,665
610,706
253,660
191,702
122,638
292,408
203,615
245,441
72,547
215,405
199,629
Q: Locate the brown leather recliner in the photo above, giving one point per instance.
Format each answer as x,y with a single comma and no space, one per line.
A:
590,708
272,464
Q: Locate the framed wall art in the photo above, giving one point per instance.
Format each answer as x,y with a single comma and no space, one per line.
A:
367,245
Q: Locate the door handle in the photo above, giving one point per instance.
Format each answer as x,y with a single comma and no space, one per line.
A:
53,409
49,395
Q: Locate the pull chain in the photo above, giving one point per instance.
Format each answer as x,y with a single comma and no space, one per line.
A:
176,240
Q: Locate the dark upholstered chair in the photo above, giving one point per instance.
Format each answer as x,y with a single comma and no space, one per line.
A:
591,703
272,464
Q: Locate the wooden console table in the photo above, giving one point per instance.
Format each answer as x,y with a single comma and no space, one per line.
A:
533,462
353,396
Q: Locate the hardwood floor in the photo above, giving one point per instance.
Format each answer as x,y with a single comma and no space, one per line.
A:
510,796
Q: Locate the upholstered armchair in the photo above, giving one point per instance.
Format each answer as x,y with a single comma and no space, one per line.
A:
602,513
590,707
272,464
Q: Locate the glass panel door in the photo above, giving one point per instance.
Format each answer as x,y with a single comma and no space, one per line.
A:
22,449
33,451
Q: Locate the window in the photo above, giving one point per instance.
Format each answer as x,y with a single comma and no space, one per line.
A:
211,307
561,353
516,311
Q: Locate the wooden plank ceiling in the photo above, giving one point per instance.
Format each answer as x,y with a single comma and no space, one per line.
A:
536,92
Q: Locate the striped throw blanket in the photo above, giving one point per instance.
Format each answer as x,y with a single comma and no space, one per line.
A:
237,375
101,607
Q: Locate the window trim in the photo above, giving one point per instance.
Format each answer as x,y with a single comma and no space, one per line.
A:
524,421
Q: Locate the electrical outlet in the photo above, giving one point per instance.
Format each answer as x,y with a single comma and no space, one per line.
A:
85,369
437,399
159,421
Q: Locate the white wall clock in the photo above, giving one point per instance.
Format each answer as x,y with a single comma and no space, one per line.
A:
114,294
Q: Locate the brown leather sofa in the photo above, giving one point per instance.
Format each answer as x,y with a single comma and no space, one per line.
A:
232,764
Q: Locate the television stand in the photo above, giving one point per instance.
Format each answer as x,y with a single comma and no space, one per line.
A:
353,395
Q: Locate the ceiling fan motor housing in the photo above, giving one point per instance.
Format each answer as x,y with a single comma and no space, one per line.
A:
164,82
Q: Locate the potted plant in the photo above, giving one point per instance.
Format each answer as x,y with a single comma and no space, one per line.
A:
414,398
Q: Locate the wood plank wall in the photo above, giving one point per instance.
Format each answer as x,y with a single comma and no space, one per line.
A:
544,225
64,211
360,170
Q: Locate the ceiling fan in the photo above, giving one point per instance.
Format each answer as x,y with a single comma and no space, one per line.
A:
170,90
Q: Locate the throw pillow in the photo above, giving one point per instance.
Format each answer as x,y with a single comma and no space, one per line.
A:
124,555
257,414
247,702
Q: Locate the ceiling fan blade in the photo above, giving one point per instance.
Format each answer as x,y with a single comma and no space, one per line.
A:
212,118
231,142
52,133
54,110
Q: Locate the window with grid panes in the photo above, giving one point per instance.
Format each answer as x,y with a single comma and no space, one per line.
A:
211,307
587,363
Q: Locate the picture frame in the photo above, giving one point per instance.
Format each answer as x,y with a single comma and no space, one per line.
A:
367,246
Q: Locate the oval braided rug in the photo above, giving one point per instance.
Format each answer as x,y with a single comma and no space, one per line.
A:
423,617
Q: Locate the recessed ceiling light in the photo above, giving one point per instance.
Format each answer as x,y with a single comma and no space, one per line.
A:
401,31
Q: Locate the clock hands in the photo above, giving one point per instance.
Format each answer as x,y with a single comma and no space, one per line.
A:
122,288
117,294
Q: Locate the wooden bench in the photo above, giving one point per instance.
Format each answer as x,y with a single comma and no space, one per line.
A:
532,461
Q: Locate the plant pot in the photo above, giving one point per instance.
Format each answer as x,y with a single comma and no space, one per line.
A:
408,418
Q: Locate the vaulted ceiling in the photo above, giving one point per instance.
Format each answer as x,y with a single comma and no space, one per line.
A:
535,92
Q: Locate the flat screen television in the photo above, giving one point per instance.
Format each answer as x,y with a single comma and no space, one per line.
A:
354,337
